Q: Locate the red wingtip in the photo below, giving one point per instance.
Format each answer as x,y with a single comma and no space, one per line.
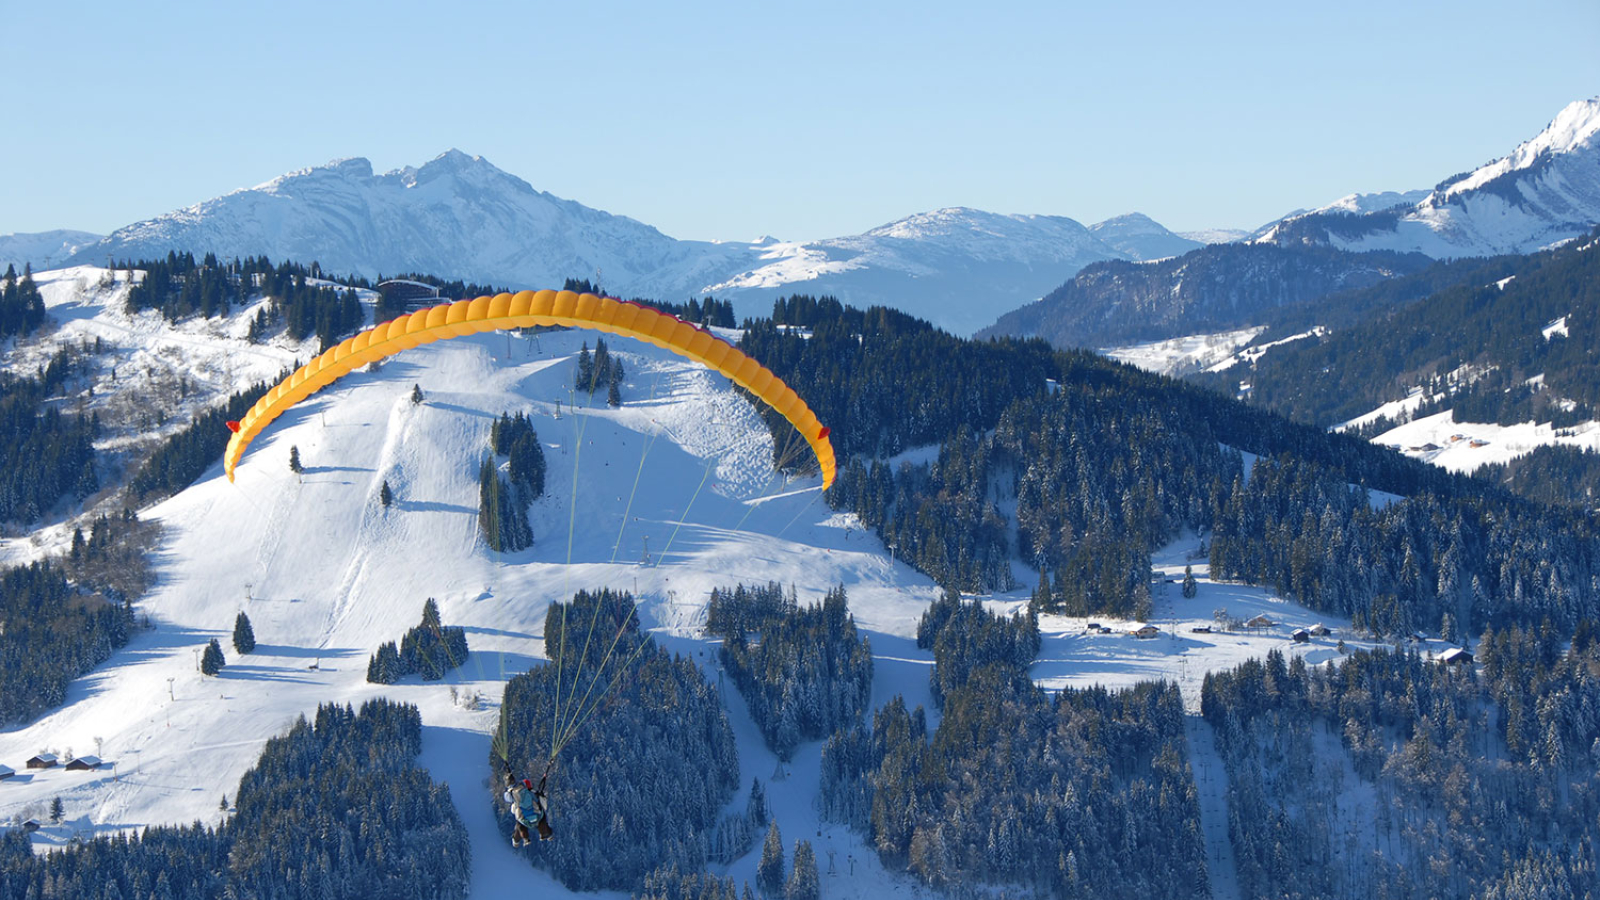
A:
823,433
233,426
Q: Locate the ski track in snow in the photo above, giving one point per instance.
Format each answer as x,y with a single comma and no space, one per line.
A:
326,574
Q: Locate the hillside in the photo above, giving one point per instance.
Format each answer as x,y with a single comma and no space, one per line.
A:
1489,369
673,494
1216,288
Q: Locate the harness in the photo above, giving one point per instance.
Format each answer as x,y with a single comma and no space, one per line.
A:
527,807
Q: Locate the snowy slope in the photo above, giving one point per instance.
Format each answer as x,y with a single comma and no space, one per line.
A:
42,248
326,574
459,216
1545,191
1373,202
1465,446
1182,355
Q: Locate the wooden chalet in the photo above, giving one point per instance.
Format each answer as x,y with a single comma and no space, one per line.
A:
1455,656
1300,636
1260,621
1145,632
84,763
6,772
43,761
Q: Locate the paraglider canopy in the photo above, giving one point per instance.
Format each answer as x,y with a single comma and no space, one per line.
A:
527,309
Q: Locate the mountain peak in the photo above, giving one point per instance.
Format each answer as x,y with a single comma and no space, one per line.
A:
1128,223
1545,191
1140,237
1575,128
457,160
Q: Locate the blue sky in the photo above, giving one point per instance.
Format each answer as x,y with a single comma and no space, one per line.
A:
713,120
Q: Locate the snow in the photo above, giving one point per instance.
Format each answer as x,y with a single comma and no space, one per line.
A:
42,248
1497,443
1576,127
1373,202
1176,356
326,574
1544,192
1071,657
1501,284
1216,235
1394,409
1555,328
1253,352
1142,238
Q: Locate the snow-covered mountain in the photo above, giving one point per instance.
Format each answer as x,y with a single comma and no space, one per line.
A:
1215,235
959,267
1376,201
455,216
1141,237
1545,191
42,248
459,216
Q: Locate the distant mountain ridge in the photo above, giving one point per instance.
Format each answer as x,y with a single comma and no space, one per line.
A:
1217,288
1142,238
1545,191
460,216
42,249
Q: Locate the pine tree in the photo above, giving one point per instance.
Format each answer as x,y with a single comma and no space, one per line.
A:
212,661
585,377
416,394
769,873
385,496
244,637
613,394
1189,586
489,505
803,883
294,459
57,813
756,808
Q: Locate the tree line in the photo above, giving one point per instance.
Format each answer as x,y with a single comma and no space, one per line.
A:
648,762
803,671
59,618
335,808
503,501
1483,784
430,649
1083,793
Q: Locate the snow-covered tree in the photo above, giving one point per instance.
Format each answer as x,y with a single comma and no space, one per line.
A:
769,872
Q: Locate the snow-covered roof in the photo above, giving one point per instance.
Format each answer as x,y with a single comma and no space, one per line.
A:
43,757
7,770
1453,654
88,760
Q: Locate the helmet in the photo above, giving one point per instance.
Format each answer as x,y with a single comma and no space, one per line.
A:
527,783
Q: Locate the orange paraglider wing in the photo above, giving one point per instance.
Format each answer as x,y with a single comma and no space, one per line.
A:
527,309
